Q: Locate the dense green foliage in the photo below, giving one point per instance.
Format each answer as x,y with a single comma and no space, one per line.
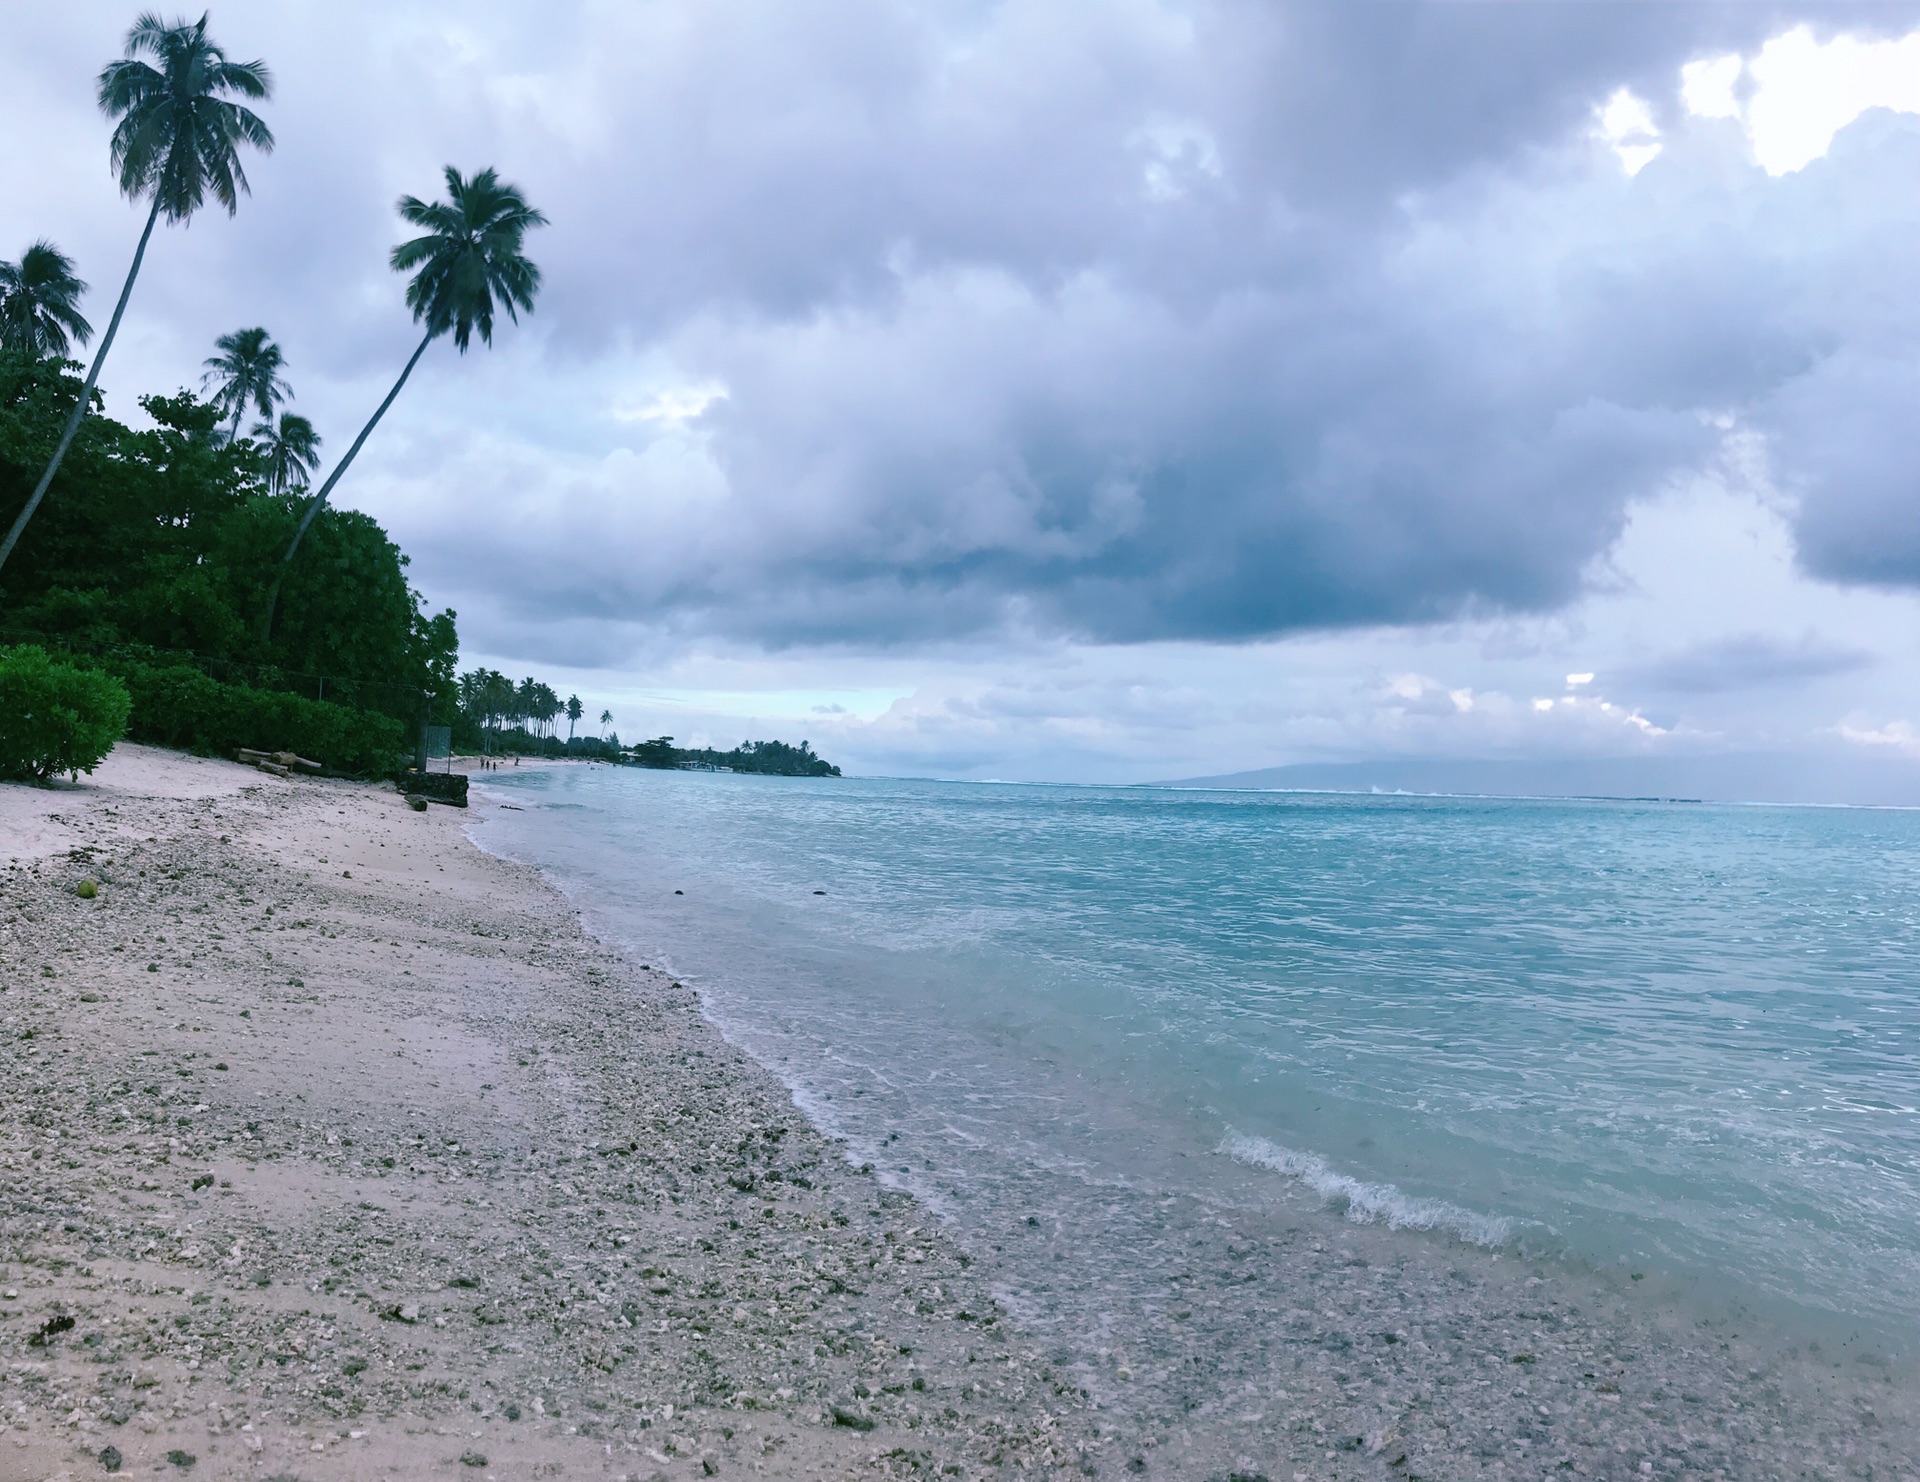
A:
161,541
179,705
55,716
770,758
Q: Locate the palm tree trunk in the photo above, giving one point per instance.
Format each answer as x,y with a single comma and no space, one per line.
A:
86,392
313,504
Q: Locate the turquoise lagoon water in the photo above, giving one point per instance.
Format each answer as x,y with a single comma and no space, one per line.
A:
1681,1037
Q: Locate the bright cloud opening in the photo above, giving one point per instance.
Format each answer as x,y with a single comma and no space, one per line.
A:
1804,91
1626,123
675,406
1708,87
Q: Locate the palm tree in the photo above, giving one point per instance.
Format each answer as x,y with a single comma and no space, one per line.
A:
178,140
40,304
606,719
290,451
247,370
469,256
574,711
546,705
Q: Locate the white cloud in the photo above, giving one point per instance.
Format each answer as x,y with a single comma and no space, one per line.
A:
1626,123
674,406
1804,91
1708,87
1180,153
1896,735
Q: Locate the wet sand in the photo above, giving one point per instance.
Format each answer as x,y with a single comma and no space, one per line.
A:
333,1147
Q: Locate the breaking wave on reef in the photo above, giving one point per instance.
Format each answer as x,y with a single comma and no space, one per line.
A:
1365,1203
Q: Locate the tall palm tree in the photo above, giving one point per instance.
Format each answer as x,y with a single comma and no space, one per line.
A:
40,304
246,371
178,140
606,719
290,450
574,711
469,257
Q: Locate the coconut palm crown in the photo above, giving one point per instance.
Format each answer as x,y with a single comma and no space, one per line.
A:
178,141
246,372
180,131
469,258
40,304
289,452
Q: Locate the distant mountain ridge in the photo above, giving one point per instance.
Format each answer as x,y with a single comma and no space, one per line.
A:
1737,778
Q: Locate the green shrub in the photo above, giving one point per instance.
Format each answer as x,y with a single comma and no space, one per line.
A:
55,717
177,705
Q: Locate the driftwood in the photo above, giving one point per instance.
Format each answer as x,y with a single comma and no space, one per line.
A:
280,763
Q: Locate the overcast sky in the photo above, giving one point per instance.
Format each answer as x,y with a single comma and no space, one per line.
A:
1109,390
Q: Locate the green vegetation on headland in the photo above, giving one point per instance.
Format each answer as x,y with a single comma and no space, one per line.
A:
769,758
498,717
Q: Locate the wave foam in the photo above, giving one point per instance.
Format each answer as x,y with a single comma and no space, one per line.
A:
1365,1203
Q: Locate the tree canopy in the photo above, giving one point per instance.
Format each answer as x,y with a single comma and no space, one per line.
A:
164,537
40,305
245,373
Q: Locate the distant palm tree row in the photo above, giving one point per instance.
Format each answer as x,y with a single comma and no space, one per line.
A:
491,703
181,124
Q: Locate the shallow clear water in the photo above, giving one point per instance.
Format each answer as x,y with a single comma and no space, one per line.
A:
1685,1037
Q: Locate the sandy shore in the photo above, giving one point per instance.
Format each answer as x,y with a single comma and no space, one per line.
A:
333,1147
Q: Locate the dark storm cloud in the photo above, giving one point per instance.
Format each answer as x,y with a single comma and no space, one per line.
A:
1263,320
1845,445
786,157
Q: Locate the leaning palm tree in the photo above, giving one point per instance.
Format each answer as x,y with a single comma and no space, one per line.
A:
469,257
289,451
40,305
245,372
178,140
606,719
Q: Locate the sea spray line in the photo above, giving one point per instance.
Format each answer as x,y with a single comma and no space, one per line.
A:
1365,1203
